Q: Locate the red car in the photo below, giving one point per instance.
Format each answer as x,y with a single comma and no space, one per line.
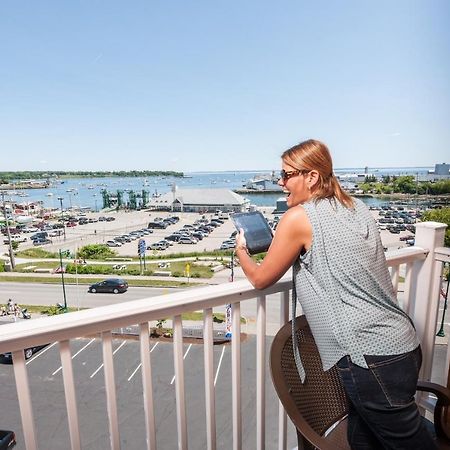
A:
71,224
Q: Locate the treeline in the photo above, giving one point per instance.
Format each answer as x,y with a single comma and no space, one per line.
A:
405,184
6,177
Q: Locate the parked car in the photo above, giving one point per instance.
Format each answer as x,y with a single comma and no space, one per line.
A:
55,233
172,237
227,246
110,219
187,240
39,235
30,229
113,244
15,238
43,241
7,439
161,225
157,246
112,285
6,358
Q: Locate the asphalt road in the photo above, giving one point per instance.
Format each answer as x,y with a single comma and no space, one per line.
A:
77,296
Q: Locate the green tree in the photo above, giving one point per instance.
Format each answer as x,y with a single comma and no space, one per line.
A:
440,215
95,251
405,184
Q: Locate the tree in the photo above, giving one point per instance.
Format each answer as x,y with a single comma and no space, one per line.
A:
440,215
405,184
95,251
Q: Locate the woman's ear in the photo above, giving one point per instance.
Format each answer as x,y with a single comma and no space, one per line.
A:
313,178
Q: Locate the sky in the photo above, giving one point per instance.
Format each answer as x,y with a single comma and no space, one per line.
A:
210,86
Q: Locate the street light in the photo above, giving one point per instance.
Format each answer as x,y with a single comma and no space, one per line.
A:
62,215
95,200
11,253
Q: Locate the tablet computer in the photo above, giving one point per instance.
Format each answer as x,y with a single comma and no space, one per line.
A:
257,232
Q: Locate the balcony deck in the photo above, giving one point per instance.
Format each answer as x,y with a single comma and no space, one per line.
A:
191,409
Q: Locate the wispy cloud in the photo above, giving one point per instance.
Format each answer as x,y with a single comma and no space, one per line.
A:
395,134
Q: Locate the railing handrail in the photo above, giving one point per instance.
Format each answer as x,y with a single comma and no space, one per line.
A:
43,330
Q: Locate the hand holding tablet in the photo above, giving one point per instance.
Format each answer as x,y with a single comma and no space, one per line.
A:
258,234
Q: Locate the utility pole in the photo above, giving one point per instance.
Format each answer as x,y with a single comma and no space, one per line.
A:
11,253
62,216
62,279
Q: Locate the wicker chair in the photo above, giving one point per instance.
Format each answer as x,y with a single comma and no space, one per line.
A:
318,408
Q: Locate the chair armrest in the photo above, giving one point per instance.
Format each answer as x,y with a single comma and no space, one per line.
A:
441,392
441,409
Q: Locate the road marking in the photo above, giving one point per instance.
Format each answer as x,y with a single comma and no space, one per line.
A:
184,357
114,352
41,353
140,364
76,354
218,366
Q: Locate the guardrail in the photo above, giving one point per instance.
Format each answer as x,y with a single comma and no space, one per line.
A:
421,267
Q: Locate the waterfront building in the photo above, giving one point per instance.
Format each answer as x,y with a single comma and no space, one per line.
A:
199,200
441,172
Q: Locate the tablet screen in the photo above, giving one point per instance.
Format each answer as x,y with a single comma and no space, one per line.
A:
257,232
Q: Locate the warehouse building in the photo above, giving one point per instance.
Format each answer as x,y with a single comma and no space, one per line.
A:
199,200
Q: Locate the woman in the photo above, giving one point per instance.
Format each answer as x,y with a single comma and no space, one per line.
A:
343,284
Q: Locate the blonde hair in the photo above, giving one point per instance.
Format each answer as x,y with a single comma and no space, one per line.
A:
314,155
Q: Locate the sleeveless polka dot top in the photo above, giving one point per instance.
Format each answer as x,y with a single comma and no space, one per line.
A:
343,285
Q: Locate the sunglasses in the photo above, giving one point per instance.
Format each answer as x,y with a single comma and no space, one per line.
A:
286,174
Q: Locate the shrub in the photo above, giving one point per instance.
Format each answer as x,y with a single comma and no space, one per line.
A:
95,251
196,275
53,311
177,274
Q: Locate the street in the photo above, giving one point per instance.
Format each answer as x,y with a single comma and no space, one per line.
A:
77,296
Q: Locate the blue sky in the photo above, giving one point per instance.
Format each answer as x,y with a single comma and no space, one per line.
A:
202,85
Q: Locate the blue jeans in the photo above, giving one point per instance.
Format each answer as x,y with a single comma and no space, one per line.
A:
382,410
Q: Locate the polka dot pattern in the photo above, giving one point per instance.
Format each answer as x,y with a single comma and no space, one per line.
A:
345,290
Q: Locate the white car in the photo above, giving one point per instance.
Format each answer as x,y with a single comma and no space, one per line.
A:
113,244
15,238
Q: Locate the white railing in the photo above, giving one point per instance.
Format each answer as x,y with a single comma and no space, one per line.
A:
421,267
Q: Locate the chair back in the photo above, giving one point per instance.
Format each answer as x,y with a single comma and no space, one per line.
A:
318,407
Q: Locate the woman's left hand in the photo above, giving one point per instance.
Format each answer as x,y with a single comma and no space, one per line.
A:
241,243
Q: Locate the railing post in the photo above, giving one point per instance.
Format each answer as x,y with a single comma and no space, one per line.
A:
429,235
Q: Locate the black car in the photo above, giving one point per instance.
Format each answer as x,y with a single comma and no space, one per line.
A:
113,285
7,439
162,225
6,358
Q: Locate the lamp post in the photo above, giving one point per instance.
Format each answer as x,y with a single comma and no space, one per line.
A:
11,253
95,200
62,216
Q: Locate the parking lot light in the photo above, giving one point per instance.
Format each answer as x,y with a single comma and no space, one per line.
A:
62,216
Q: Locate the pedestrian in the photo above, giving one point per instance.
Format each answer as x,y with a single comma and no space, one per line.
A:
10,306
342,281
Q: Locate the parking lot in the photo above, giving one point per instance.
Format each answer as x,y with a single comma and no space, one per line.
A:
45,377
100,232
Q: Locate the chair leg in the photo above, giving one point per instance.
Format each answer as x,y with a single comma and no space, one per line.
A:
303,444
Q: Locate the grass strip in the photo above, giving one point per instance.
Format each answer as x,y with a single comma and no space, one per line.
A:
193,316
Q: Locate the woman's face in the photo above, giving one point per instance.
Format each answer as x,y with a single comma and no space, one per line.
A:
295,185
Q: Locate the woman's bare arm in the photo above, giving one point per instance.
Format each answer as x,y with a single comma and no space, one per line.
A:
294,233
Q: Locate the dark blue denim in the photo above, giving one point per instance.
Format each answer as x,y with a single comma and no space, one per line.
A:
382,410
